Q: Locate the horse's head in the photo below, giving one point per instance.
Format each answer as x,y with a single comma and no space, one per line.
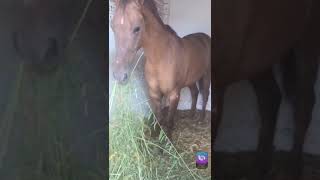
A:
128,25
42,31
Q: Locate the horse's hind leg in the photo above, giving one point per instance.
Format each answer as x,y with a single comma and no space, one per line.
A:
194,94
204,86
303,102
269,98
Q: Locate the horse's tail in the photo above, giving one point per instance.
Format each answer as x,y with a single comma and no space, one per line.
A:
289,73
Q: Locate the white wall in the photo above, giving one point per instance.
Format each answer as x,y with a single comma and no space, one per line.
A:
189,16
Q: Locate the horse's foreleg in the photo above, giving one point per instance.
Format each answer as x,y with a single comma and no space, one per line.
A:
269,99
155,103
173,103
194,94
303,103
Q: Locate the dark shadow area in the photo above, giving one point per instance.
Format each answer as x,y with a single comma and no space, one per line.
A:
53,121
238,166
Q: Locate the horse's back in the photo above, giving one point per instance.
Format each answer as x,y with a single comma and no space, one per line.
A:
198,43
196,56
202,38
198,46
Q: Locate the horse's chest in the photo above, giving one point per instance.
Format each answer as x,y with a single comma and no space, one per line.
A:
166,84
160,79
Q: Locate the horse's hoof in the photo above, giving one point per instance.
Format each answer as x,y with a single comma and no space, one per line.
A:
184,115
202,116
192,115
168,133
201,119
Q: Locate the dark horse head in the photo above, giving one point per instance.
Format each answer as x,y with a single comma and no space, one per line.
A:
42,31
128,26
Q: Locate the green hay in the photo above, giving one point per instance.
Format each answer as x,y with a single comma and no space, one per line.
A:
132,154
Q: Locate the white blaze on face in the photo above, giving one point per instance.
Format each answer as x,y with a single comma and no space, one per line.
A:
122,20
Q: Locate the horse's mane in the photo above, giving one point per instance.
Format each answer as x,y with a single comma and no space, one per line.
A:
153,8
170,29
150,4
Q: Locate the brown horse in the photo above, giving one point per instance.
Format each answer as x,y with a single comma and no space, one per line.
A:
250,37
172,63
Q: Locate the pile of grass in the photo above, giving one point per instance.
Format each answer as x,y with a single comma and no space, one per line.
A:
134,155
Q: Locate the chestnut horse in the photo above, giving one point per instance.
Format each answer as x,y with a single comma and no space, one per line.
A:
252,36
172,63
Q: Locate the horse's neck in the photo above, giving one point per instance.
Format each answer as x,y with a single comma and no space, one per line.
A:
153,22
156,35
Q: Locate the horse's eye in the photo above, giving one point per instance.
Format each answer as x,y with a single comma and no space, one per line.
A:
136,29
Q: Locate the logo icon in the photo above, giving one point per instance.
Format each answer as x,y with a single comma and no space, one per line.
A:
201,160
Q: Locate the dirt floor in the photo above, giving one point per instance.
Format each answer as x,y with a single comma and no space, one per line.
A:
238,166
191,135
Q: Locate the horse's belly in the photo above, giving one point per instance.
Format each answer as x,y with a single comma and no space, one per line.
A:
196,72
